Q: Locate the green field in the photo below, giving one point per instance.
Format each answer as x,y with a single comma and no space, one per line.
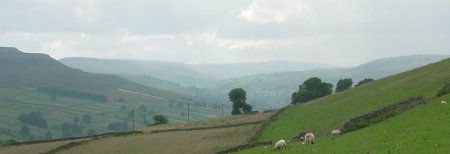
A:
323,115
15,101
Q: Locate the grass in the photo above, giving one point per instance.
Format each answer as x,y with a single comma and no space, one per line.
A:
424,129
195,141
15,101
323,115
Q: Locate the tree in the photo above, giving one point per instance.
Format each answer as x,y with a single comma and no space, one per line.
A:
24,131
91,132
311,89
34,118
76,120
142,108
86,118
364,81
160,119
238,96
344,84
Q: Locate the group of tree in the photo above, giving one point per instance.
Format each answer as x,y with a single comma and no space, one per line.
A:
160,119
238,96
118,126
70,129
314,88
311,89
344,84
33,118
53,92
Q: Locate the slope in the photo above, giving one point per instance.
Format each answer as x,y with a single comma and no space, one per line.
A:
323,115
233,70
274,90
24,74
174,72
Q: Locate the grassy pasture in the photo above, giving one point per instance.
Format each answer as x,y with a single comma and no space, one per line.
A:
15,101
195,141
423,129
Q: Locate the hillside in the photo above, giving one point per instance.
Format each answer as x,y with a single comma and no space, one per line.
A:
220,134
233,70
422,129
37,83
274,90
173,72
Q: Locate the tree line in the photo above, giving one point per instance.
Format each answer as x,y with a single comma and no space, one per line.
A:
53,92
314,88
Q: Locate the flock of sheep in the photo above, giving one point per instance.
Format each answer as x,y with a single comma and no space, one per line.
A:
309,137
306,137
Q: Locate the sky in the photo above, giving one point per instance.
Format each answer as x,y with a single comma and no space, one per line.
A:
335,32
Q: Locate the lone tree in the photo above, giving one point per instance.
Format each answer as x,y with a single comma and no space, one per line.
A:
160,119
344,84
311,89
364,81
238,96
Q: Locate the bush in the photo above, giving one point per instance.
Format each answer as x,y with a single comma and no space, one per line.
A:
444,90
160,119
34,118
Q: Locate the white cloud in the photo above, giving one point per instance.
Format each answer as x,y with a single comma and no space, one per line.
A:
85,10
274,10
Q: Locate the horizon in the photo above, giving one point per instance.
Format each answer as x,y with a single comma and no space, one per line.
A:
338,33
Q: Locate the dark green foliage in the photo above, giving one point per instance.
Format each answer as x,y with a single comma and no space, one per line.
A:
444,90
73,94
160,119
24,131
364,81
10,141
86,118
76,120
344,84
123,107
142,108
68,130
118,126
91,132
311,89
238,97
33,118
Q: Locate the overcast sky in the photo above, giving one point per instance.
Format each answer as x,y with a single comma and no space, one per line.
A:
336,32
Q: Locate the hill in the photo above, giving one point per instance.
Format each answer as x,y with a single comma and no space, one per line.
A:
233,70
36,83
420,130
274,90
173,72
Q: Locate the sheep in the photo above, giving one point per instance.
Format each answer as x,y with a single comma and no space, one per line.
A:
309,138
443,102
279,145
300,136
336,132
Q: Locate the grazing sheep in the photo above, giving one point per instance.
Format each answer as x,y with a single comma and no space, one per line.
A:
309,138
443,102
300,136
279,145
336,132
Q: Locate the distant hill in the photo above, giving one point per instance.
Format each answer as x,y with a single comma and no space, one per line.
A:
174,72
274,90
231,70
31,82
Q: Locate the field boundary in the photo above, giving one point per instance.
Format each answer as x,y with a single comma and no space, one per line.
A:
110,134
203,128
245,146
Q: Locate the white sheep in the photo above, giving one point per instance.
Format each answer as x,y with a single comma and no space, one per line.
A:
443,102
279,145
336,132
309,138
